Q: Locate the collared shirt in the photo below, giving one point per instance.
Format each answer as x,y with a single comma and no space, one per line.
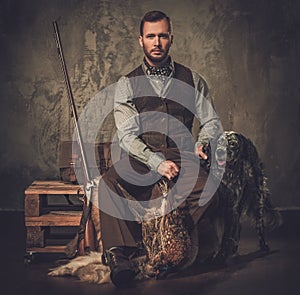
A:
127,116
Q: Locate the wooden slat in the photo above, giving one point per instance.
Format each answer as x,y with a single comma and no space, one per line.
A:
47,249
53,187
54,219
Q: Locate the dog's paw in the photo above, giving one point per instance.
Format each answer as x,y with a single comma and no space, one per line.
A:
219,259
224,259
264,247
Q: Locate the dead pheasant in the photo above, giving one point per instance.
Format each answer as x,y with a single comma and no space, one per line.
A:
166,237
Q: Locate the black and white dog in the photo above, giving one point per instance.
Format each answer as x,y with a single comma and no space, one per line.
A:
243,191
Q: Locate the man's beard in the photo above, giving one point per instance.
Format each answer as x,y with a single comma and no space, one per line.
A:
156,59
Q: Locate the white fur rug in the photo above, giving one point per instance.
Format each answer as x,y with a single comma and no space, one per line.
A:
88,268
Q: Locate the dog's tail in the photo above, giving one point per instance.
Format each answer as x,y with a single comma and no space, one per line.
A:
271,215
262,206
261,210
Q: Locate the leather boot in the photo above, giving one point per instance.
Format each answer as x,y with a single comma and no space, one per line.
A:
121,269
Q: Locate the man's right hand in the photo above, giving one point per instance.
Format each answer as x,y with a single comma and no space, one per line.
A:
168,169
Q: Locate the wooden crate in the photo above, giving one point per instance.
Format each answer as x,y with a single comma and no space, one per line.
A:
50,226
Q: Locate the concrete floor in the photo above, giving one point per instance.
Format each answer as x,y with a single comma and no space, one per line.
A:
275,273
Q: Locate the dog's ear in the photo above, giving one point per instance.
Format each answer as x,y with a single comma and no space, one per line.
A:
252,154
238,141
248,150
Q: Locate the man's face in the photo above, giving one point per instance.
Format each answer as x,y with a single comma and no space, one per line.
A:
156,41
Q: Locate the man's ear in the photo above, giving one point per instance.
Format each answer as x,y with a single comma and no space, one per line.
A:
141,41
172,37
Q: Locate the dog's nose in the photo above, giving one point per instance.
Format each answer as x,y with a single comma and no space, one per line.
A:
220,152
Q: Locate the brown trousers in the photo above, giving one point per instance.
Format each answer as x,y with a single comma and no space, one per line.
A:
139,181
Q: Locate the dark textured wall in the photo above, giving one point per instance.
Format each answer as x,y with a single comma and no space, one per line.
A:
247,50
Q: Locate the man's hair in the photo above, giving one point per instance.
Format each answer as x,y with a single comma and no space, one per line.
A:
154,16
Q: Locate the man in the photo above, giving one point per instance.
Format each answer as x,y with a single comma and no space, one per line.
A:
155,106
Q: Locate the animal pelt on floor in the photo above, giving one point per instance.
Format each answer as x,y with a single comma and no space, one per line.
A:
88,268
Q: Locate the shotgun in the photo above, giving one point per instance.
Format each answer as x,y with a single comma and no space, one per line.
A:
76,244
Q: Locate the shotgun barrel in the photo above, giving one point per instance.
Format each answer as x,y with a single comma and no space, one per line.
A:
71,102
